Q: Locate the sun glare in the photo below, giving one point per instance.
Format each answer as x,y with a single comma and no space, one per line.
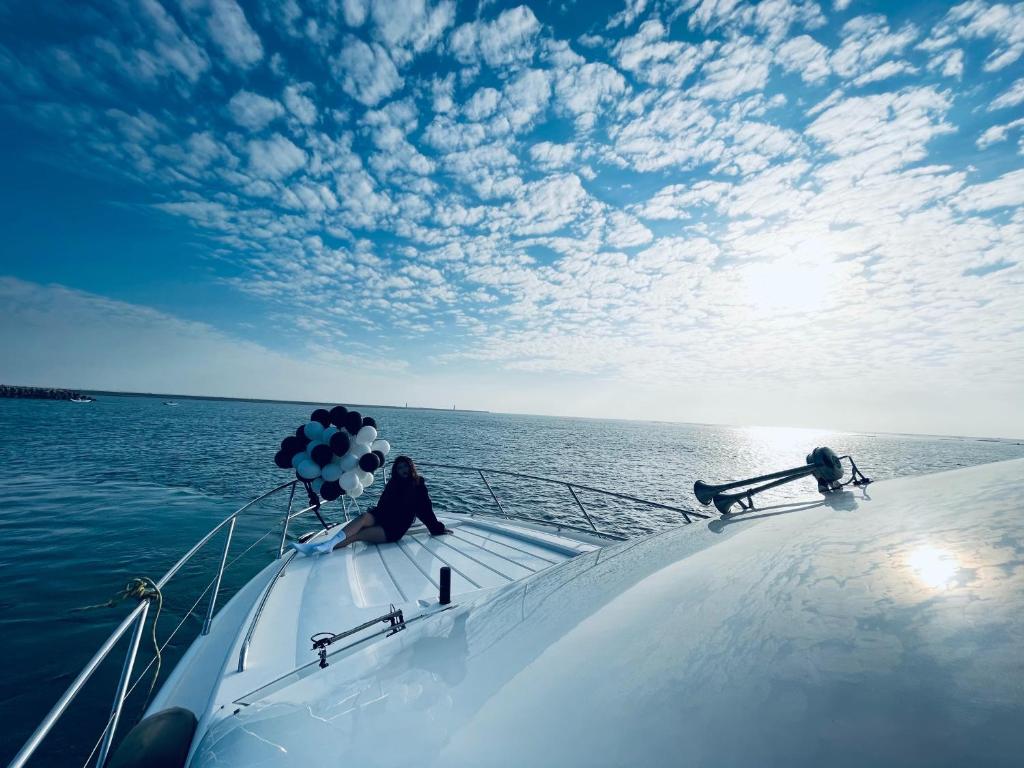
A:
798,287
932,566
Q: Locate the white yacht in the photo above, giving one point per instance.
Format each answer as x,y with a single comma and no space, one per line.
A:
871,626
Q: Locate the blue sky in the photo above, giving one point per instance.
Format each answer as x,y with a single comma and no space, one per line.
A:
783,212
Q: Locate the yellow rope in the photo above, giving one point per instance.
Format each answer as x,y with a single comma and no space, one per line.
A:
141,588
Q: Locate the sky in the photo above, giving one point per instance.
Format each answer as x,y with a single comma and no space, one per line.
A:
778,213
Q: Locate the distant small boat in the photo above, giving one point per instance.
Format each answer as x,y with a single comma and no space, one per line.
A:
82,399
169,402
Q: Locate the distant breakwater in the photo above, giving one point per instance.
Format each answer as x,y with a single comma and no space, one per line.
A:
42,393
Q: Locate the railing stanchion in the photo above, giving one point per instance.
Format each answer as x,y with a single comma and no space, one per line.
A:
122,686
582,508
220,574
484,478
287,517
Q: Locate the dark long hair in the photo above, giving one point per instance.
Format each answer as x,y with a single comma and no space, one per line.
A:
414,476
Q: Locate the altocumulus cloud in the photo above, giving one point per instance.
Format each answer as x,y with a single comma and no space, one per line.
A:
668,203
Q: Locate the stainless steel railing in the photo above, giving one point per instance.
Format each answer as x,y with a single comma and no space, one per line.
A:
136,619
687,514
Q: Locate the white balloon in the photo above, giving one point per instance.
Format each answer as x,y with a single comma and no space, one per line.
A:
298,458
331,472
326,436
365,478
359,449
356,492
380,445
309,469
370,477
349,480
314,430
317,484
348,461
366,435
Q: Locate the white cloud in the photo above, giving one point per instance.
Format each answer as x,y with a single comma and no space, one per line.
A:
482,104
805,56
883,131
542,207
275,157
976,20
676,200
410,27
674,131
585,91
253,111
625,18
625,231
950,63
296,98
1011,97
741,66
227,26
508,40
549,156
995,134
366,72
171,47
654,59
884,71
355,11
1006,191
772,18
867,41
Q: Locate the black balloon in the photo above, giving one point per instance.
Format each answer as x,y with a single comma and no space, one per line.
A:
330,490
321,415
300,433
283,459
292,445
369,421
322,455
340,443
380,457
338,413
353,421
368,462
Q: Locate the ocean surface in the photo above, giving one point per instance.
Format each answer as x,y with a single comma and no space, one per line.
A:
92,495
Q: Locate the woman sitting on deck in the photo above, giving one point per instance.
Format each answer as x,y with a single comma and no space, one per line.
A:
405,497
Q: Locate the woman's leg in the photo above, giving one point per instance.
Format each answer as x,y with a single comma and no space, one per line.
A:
373,534
365,520
362,522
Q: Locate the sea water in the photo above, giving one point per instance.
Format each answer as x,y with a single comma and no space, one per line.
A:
92,495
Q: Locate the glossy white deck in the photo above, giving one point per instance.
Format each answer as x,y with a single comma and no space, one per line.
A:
881,627
336,591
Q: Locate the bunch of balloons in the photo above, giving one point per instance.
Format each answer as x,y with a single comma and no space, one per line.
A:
335,453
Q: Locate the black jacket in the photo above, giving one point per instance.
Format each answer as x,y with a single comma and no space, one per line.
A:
402,501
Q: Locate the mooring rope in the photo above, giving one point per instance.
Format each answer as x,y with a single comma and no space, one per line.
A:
141,588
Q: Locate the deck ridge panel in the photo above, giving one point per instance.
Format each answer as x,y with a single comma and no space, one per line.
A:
455,569
504,575
498,542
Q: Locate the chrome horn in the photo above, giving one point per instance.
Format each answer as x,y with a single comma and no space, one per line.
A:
823,463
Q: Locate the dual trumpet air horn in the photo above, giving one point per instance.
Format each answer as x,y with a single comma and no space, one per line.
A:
822,463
